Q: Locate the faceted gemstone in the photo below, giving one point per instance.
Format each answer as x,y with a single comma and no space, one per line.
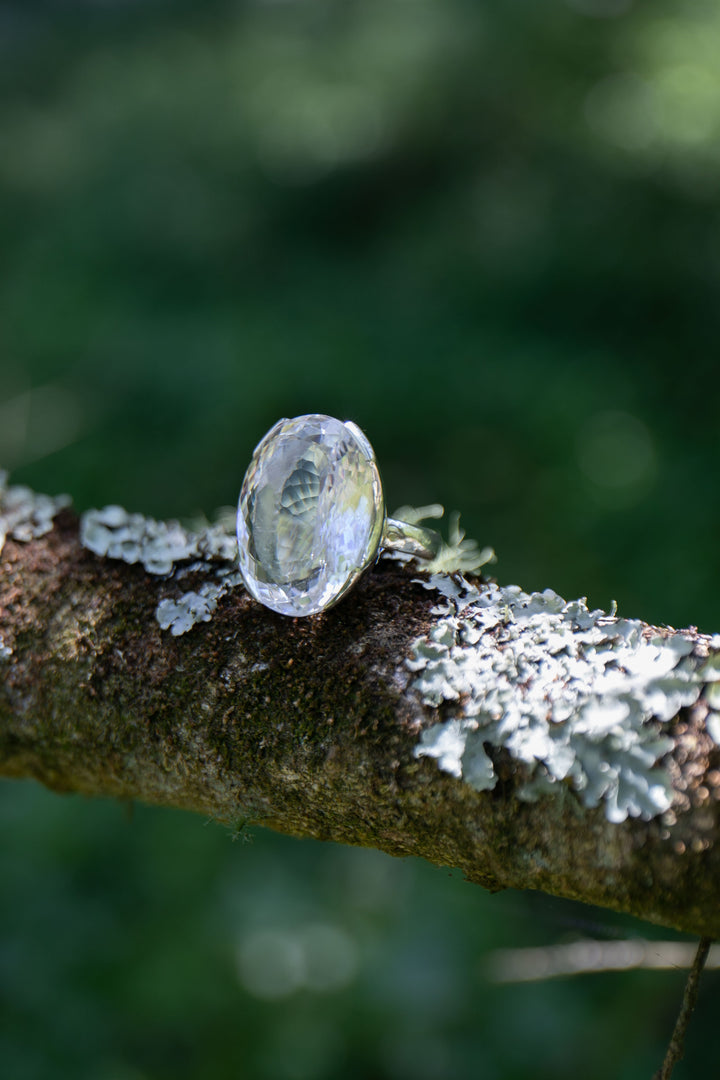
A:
310,514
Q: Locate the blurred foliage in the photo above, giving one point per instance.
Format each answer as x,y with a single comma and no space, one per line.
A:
149,946
488,233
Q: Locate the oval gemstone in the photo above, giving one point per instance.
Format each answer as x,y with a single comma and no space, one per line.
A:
310,514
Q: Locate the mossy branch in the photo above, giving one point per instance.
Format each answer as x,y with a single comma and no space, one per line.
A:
326,726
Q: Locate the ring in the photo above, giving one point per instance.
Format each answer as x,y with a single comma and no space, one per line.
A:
311,516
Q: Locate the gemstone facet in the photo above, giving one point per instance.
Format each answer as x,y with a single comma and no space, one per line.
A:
310,515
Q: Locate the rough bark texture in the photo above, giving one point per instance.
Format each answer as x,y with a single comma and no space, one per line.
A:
304,726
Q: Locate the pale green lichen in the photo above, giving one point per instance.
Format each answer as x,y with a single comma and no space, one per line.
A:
712,724
710,671
158,545
169,550
575,696
457,554
181,614
25,515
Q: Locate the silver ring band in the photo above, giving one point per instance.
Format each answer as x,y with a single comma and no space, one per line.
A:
410,539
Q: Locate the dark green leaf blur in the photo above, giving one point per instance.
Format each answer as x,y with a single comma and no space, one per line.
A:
488,233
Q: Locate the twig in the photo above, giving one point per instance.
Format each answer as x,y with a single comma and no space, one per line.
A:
677,1042
591,957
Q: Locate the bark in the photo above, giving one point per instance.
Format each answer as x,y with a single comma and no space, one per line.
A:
311,726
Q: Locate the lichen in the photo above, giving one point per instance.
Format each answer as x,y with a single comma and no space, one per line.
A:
712,724
171,551
577,697
457,554
158,545
181,614
25,515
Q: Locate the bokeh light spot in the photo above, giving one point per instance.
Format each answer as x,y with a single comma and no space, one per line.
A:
622,109
271,964
617,454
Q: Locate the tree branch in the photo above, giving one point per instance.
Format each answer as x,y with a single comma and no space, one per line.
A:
574,752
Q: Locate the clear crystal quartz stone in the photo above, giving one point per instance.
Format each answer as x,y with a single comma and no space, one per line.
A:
310,515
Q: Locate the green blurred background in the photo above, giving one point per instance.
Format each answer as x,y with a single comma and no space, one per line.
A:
489,233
